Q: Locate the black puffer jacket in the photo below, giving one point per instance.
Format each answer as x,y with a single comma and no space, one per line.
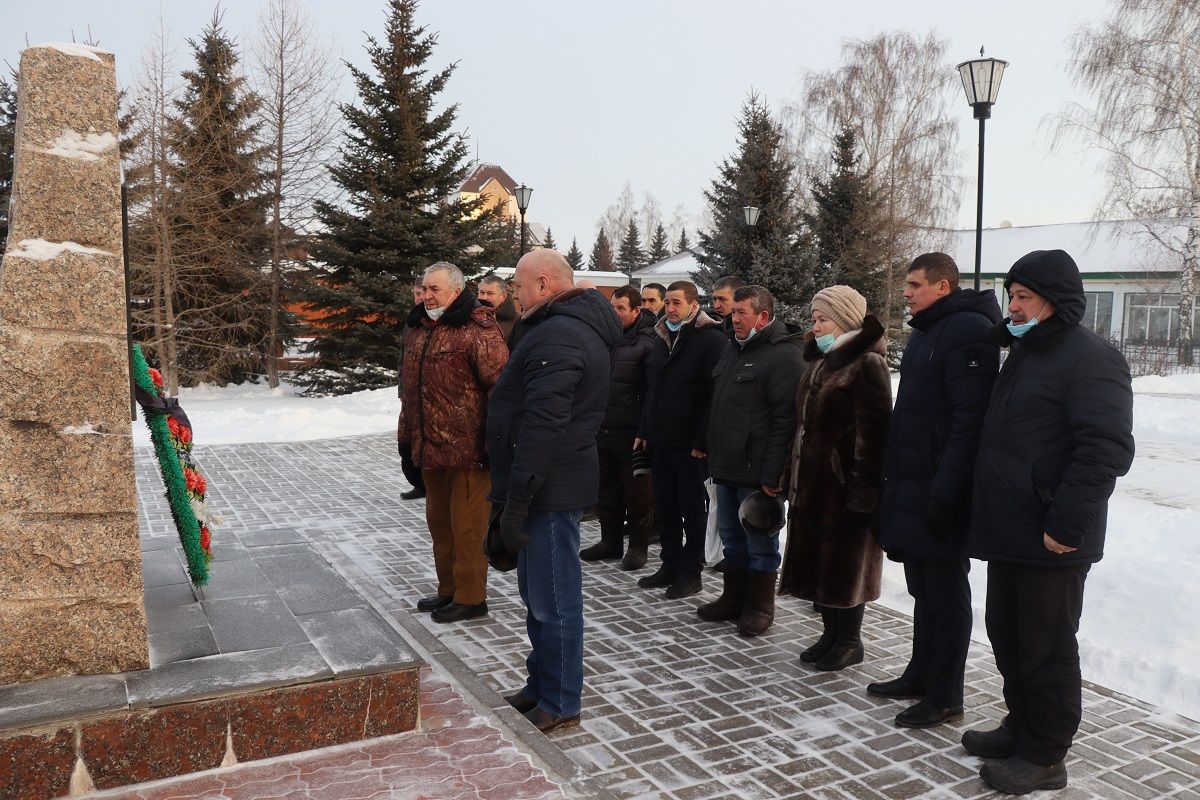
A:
946,379
548,404
754,406
676,410
1058,431
630,377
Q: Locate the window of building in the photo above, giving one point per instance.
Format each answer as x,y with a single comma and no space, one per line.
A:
1154,318
1098,316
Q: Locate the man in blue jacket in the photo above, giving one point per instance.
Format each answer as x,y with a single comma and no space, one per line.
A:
946,379
1057,435
543,417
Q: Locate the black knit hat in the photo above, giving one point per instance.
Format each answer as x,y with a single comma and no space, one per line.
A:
1054,275
761,514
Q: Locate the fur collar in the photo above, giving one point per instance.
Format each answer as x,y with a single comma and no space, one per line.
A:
541,308
460,311
697,319
869,338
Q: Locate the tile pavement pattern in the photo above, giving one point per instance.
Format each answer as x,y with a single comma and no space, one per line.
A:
675,707
455,755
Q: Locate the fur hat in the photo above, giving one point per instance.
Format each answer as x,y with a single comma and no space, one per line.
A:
761,514
843,305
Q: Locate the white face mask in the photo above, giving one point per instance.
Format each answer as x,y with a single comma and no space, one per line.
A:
435,313
749,336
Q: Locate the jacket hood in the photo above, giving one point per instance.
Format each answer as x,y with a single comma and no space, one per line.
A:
458,313
983,302
1054,275
589,307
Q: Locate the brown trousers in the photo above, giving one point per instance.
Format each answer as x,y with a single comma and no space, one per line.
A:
456,510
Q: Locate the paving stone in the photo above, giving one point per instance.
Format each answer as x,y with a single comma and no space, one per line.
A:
23,705
252,623
357,640
181,644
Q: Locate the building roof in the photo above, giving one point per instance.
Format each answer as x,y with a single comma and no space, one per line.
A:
1109,246
682,263
484,173
535,233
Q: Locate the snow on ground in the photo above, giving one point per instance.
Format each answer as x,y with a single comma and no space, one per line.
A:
257,413
1139,633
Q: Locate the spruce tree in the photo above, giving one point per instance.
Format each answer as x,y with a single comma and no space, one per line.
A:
219,217
549,244
683,243
400,161
842,222
575,255
777,252
658,246
8,142
631,258
602,255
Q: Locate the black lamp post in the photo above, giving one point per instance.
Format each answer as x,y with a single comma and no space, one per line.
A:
981,81
523,192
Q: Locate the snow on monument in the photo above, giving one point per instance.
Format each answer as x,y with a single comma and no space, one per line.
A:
70,567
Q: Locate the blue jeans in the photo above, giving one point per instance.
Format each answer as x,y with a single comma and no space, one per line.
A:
743,551
550,579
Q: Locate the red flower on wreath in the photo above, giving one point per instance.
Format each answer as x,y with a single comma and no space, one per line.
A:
157,377
205,538
195,481
185,435
173,426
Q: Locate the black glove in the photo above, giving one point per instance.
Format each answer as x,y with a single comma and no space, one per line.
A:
499,557
404,449
942,519
512,526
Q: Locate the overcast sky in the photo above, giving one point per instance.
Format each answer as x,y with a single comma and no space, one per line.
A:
575,98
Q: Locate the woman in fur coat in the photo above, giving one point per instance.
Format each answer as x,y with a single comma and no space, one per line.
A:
843,404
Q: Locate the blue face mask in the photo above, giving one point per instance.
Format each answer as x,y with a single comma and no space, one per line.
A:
1019,329
826,342
673,326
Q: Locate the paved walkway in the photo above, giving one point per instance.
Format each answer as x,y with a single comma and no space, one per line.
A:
674,707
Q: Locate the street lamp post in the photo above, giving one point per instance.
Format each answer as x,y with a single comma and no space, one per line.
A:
981,81
523,192
751,213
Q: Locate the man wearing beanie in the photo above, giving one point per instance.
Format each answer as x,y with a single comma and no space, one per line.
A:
674,422
1057,435
946,379
749,437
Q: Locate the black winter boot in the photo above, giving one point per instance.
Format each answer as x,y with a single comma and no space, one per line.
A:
658,579
817,651
1015,775
609,547
729,605
759,612
847,648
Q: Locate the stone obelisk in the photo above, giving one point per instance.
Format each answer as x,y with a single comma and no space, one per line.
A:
70,566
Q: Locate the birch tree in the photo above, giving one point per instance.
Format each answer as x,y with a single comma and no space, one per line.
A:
1141,68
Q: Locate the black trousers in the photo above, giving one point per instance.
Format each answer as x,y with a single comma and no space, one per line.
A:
680,507
1032,618
621,491
941,627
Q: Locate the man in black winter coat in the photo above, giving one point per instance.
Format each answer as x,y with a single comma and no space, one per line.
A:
946,378
674,425
621,490
543,417
1057,435
749,437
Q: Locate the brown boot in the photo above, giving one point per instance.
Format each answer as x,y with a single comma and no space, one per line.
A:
759,611
729,605
635,556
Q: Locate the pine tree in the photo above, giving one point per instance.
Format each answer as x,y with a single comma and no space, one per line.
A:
777,252
631,257
843,225
549,244
400,161
683,243
575,255
658,246
602,255
8,142
219,219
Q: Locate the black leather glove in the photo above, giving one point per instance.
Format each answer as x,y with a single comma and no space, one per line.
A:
942,519
512,526
499,557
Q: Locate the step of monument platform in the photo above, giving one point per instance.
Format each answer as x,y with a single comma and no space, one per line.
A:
277,654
